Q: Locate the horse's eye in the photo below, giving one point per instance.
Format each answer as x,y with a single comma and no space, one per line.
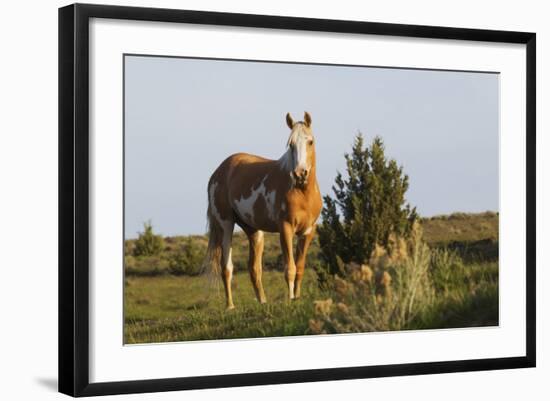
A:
310,142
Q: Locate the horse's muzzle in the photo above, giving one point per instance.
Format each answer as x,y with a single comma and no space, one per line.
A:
300,182
300,176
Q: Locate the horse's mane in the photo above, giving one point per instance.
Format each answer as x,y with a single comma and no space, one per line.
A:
295,133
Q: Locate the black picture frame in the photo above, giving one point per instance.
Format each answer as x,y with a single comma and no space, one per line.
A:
74,198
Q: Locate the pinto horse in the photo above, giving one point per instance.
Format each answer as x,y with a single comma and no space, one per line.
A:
260,195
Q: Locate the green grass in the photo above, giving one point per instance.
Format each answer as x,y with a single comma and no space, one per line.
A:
180,308
470,300
169,308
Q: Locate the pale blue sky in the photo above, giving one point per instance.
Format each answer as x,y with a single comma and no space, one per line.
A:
184,116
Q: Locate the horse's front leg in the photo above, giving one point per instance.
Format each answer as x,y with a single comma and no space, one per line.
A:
301,253
286,235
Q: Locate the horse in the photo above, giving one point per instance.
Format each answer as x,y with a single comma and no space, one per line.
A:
263,195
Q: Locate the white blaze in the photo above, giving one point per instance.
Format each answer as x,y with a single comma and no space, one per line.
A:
296,154
300,152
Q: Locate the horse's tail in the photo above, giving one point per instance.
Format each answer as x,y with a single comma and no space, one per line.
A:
212,260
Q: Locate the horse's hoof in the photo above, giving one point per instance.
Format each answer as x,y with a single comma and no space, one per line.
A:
229,307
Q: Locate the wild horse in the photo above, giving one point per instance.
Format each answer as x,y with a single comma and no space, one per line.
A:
260,195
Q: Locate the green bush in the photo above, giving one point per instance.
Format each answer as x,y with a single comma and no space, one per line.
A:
148,243
368,208
187,259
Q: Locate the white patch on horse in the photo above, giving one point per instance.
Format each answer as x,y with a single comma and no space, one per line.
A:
245,206
228,262
308,231
211,198
270,204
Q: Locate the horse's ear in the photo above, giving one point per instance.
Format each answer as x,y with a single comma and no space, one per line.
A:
307,119
289,121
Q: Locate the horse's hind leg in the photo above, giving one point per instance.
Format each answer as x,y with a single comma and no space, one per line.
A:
256,248
227,263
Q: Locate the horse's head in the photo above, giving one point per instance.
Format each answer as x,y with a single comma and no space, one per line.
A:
301,149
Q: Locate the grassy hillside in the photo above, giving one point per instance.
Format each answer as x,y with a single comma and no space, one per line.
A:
455,279
468,227
473,236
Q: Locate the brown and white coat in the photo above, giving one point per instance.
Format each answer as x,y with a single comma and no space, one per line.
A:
260,195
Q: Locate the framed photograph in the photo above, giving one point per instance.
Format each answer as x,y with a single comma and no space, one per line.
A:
252,199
